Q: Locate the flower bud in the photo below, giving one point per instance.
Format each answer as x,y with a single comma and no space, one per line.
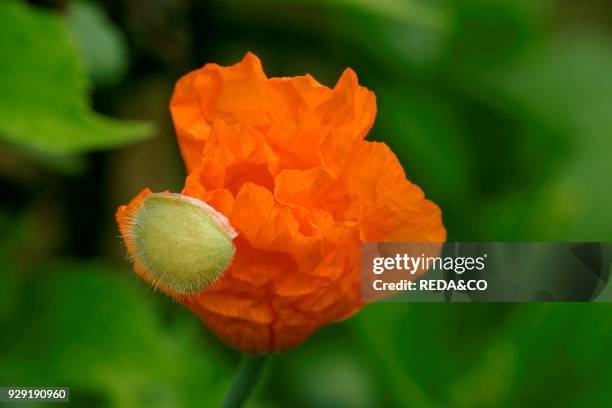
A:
184,243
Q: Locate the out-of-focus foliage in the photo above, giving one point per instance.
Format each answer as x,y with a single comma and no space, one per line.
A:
564,86
499,110
99,331
495,356
100,43
43,103
91,328
405,11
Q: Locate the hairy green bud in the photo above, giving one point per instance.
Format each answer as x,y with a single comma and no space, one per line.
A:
184,243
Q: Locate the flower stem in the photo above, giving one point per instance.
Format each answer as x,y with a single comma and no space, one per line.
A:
246,377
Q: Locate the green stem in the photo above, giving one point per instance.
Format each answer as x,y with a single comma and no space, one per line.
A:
246,377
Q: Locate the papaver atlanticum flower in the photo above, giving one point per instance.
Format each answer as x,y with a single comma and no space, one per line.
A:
292,188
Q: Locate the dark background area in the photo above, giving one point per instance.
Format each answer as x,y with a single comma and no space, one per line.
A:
499,110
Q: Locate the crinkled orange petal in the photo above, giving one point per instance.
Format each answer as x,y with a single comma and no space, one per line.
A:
285,160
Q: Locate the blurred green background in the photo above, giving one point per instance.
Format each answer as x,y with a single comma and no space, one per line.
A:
500,109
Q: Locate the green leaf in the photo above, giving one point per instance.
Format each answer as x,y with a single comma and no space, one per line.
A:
43,102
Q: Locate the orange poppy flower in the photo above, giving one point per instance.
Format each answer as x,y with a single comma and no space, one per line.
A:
285,161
